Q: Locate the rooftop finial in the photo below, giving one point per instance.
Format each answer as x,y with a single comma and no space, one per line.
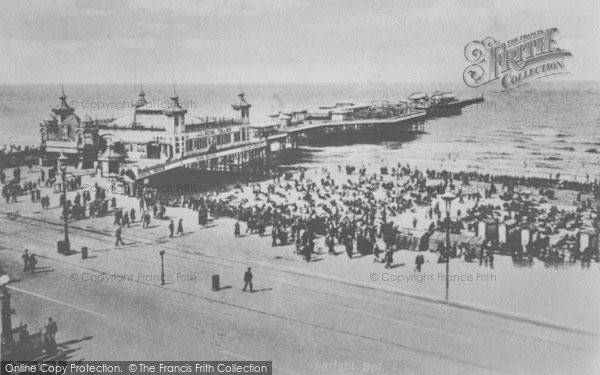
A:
62,92
142,93
175,97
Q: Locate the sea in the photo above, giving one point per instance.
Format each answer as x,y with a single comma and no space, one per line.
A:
547,127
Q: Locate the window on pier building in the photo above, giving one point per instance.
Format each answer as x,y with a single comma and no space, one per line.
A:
177,148
203,142
200,143
189,145
236,136
223,139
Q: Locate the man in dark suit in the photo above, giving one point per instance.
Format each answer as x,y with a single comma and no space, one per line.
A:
248,280
119,240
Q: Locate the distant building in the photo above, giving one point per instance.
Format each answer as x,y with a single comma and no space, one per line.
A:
65,132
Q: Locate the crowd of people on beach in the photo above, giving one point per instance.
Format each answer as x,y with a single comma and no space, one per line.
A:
360,215
365,213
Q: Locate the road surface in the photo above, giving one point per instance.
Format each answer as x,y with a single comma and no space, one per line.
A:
112,306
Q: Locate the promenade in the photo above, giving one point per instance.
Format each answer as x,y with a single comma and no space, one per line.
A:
327,316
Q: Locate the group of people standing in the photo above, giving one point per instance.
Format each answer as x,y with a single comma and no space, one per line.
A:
29,261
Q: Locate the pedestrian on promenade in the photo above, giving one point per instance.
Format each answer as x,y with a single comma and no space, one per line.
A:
419,260
180,227
32,263
330,244
51,328
126,219
349,246
26,261
376,252
248,280
236,229
117,220
274,233
132,215
171,228
389,258
119,240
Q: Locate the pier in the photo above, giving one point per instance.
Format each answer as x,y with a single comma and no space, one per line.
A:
155,139
256,157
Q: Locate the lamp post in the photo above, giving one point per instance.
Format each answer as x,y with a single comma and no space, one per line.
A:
448,197
162,267
6,311
62,164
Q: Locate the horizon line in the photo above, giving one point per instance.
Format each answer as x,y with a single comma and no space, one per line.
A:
258,83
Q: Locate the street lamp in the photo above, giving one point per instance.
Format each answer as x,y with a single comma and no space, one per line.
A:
6,337
448,197
162,267
62,164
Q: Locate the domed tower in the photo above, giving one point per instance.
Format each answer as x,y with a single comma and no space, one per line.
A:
244,107
177,112
141,98
63,109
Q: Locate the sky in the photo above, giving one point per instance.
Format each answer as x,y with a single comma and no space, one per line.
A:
278,41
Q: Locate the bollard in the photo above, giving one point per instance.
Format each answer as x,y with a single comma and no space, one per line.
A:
215,283
84,252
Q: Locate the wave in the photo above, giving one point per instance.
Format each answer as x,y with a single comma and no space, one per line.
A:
548,166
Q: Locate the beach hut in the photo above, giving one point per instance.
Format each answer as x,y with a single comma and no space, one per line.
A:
414,240
507,232
464,241
588,238
487,228
529,234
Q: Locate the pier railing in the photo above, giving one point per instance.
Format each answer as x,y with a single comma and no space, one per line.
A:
162,167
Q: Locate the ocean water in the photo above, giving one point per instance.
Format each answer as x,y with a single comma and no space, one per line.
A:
547,127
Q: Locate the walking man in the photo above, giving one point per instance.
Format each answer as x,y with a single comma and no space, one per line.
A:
25,261
180,227
330,244
51,328
389,258
119,240
32,263
248,280
171,228
419,260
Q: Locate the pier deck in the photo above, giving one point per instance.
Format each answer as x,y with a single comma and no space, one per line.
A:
235,158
